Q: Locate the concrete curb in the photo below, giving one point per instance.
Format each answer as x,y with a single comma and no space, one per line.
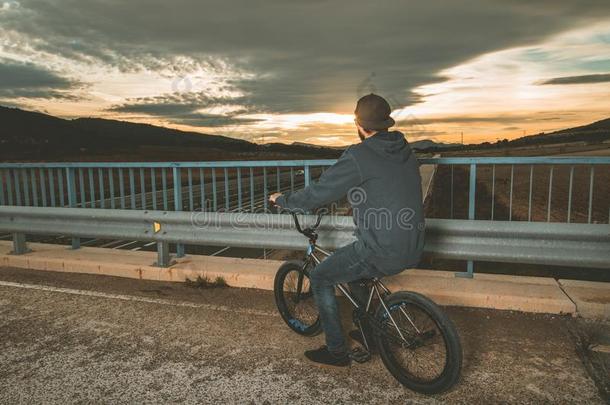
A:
592,298
527,294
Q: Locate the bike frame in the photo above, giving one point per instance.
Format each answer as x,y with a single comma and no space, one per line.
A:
312,257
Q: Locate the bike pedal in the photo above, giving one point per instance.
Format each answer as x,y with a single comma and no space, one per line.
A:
360,355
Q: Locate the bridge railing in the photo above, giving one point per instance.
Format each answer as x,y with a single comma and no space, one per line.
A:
581,245
541,189
176,186
498,190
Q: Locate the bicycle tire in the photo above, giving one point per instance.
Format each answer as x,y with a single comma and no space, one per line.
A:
453,361
304,328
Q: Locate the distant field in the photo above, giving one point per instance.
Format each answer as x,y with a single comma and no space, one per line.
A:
439,202
439,205
576,148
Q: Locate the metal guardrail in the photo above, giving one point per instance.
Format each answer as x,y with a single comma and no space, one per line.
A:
178,186
533,189
581,245
245,185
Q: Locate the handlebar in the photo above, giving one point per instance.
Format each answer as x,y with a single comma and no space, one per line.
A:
310,231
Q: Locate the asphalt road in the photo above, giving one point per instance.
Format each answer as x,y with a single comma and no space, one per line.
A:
67,338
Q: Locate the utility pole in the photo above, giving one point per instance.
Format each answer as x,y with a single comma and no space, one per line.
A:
462,137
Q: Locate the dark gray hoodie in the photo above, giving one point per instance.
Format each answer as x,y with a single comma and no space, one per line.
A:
380,177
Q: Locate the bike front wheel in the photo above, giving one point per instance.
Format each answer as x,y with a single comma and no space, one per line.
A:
294,299
419,344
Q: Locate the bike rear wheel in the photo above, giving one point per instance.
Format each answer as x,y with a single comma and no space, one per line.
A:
424,354
294,299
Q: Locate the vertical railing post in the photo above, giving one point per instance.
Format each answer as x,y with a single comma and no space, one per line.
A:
306,174
214,191
17,187
226,181
178,204
471,215
529,204
451,194
163,255
591,176
265,193
510,198
26,187
548,211
71,186
9,187
202,189
190,181
19,244
153,188
239,199
251,189
34,187
43,188
493,189
570,194
2,201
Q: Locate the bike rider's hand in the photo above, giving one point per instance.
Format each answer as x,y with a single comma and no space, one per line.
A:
273,197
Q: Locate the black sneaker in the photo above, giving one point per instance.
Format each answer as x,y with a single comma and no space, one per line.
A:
357,336
325,358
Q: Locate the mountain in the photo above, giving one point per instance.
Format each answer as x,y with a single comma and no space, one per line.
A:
425,144
27,135
596,131
34,136
311,145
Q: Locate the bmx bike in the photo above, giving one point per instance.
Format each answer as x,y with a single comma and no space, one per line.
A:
416,340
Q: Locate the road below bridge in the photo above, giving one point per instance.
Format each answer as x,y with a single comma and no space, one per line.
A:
69,338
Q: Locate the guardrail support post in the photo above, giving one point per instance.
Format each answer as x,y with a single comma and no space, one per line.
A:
71,185
469,273
178,203
163,255
19,244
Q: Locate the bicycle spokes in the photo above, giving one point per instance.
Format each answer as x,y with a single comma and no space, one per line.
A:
298,296
416,341
299,287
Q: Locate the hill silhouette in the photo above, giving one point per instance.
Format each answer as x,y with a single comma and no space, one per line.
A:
28,135
34,136
594,133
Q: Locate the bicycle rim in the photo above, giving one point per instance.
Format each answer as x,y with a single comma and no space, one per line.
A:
298,300
426,354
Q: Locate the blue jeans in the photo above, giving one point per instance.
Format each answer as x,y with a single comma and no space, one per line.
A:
343,266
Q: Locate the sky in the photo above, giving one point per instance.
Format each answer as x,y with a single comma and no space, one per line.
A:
292,71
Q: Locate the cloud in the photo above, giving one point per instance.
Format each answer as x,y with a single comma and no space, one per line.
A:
186,109
582,79
27,80
300,57
212,120
466,119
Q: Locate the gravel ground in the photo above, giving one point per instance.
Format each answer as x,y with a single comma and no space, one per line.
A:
114,340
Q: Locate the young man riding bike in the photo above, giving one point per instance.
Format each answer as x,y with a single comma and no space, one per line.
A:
380,177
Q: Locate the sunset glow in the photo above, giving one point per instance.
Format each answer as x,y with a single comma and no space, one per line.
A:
556,79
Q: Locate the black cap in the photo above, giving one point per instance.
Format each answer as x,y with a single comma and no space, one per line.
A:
373,112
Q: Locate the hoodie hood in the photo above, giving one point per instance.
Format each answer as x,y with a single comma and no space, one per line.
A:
391,145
